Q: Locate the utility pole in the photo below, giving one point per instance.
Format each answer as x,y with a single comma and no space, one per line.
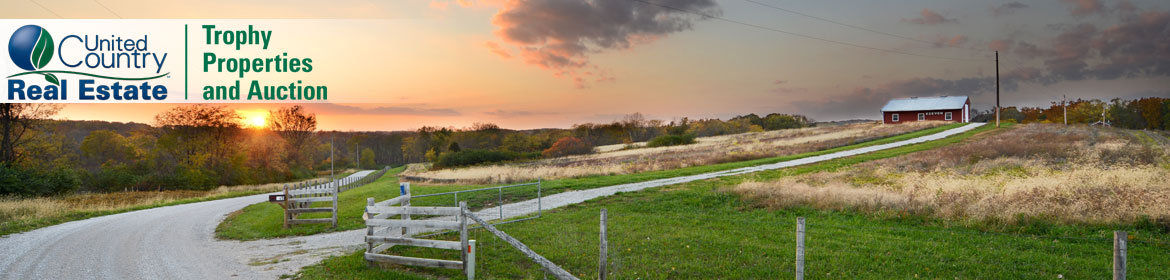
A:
331,156
1064,106
996,88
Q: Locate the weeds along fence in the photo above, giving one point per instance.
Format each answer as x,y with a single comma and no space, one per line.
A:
299,198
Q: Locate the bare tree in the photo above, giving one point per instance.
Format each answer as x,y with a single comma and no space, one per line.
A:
295,125
198,115
199,137
633,124
16,119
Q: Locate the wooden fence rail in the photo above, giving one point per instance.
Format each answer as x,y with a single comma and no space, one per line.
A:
548,266
384,231
389,223
300,197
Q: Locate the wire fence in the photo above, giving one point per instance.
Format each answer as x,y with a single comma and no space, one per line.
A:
651,244
835,249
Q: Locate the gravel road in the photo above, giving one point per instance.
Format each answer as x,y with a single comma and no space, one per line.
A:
173,242
177,242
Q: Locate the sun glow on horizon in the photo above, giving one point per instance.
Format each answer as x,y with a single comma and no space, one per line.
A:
253,118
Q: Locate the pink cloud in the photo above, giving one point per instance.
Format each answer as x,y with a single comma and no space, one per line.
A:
1000,45
496,49
1085,7
929,17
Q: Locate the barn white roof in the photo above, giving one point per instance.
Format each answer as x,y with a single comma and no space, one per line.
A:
925,103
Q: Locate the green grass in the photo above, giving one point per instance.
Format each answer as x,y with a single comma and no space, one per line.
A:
700,230
264,220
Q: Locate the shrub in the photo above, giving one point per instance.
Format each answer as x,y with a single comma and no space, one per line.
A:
473,157
568,146
33,182
671,140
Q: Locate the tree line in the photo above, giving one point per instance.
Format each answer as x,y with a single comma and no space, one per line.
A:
1142,113
199,147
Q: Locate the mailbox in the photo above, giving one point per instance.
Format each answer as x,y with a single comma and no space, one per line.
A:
276,198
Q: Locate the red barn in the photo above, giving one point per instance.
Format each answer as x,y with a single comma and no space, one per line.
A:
942,108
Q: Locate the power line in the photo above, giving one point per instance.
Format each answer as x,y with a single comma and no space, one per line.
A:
46,8
107,9
806,36
857,27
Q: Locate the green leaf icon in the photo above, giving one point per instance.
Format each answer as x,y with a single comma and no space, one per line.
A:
43,51
52,79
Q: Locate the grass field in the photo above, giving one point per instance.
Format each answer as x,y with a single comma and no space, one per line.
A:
1074,175
263,220
20,214
705,230
706,151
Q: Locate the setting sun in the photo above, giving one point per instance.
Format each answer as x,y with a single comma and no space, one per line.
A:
253,118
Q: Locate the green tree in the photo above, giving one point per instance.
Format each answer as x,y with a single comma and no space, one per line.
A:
368,158
17,119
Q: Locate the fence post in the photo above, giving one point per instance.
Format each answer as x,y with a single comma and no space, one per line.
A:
369,229
604,247
501,202
470,269
1119,240
463,231
286,205
800,248
539,208
335,190
406,187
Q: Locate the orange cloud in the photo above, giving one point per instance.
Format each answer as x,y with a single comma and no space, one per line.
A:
496,49
439,5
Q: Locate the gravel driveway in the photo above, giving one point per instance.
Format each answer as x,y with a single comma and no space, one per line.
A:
173,242
177,242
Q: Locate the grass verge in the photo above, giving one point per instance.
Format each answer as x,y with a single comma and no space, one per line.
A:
701,230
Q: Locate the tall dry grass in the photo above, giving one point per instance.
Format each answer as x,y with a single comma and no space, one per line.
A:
23,208
1069,175
707,150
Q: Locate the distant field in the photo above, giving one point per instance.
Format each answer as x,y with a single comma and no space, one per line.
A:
1070,175
615,160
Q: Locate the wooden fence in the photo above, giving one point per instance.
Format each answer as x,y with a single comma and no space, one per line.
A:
389,223
384,231
300,198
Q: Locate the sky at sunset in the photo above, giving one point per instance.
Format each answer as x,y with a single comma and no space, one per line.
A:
553,63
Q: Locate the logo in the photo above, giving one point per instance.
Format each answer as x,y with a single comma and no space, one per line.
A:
31,48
